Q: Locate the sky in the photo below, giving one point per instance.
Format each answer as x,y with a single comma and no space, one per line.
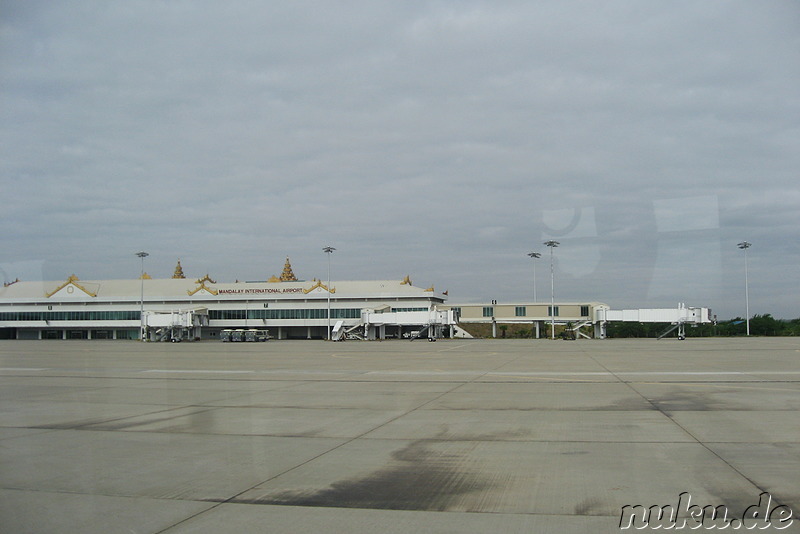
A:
444,140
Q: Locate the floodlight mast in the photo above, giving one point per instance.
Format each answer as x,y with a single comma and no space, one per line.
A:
534,256
142,254
552,244
744,245
329,251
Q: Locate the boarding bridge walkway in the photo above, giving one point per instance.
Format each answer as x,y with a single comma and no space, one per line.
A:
677,317
175,325
377,324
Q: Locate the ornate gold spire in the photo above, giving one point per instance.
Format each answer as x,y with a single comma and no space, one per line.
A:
287,275
178,271
145,276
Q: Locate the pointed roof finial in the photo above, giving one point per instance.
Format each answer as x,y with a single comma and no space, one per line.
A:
206,278
178,271
287,275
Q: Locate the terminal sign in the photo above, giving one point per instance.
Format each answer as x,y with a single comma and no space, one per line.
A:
253,291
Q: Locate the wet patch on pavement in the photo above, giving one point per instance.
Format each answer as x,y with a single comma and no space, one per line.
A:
417,477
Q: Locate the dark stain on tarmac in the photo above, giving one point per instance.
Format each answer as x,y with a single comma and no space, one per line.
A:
587,506
131,422
682,400
628,404
416,478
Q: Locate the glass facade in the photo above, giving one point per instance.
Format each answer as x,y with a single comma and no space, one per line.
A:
70,316
271,313
127,334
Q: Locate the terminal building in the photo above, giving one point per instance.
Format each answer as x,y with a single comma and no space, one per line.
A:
283,307
180,308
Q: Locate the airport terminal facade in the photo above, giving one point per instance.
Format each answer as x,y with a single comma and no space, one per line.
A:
285,306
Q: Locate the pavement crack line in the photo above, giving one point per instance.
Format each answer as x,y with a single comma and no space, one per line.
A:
629,385
458,385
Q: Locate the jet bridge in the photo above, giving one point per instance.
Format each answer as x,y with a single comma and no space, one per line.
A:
408,324
175,325
677,317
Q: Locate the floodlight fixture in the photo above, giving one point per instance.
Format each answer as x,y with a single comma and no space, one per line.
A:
142,254
534,256
329,250
744,245
552,244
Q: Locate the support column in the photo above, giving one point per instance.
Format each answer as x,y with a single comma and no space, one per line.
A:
600,330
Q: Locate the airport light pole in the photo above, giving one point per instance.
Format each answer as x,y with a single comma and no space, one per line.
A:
142,254
744,245
329,251
534,256
552,244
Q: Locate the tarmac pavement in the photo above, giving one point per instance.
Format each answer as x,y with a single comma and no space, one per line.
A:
461,436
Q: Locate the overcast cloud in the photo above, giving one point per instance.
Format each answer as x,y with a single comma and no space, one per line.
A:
440,139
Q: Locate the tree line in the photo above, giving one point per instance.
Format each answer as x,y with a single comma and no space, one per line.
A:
760,325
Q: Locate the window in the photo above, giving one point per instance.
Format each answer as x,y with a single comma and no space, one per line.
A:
584,311
488,311
292,313
520,311
552,311
127,334
70,316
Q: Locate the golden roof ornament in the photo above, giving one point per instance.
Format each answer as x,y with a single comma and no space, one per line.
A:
287,275
71,280
144,276
406,281
178,271
206,278
202,287
320,285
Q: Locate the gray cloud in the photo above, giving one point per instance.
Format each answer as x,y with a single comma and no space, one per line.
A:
434,138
